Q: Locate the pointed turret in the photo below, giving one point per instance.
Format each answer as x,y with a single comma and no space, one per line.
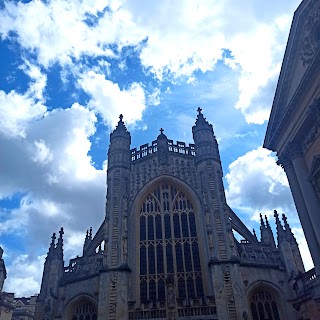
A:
120,130
206,145
119,149
262,228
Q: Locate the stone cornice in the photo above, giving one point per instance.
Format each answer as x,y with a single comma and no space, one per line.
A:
304,138
280,118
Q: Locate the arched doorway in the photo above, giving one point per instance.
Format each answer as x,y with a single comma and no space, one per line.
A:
265,304
83,309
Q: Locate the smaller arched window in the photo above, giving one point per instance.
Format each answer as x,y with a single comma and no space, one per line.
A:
83,310
265,304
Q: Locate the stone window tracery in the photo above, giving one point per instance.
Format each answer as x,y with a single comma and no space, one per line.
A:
168,245
84,310
264,305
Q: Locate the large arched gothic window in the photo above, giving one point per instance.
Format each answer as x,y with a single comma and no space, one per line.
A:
83,310
264,304
168,245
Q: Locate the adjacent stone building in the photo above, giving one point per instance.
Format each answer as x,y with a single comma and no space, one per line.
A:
166,248
294,133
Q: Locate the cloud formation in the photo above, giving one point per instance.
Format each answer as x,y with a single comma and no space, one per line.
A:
255,181
108,99
172,40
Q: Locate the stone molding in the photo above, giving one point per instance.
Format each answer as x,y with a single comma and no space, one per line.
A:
305,137
311,45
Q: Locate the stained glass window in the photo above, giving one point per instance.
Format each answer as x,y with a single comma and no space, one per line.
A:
168,245
264,305
84,310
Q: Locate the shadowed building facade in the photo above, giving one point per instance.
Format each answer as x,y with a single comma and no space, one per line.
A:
294,133
166,248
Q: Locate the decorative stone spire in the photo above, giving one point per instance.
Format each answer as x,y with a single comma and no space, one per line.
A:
267,222
59,247
280,231
254,234
270,233
266,232
87,239
290,236
53,242
262,225
90,233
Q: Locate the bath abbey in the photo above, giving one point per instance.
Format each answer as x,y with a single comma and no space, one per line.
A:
166,248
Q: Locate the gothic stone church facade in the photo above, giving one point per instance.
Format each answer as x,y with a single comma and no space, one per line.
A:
166,249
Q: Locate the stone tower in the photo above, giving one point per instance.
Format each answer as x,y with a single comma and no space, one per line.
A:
166,248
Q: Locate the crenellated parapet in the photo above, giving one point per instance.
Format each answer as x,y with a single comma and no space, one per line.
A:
147,150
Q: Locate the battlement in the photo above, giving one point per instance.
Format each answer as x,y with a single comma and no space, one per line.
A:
179,147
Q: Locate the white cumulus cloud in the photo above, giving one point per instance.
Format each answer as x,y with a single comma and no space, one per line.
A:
109,100
174,39
255,182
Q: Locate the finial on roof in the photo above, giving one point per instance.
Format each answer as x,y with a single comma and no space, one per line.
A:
162,136
121,116
199,110
90,233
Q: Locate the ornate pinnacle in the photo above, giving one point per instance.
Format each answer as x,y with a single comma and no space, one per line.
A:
53,241
90,233
284,218
267,222
254,233
287,227
199,110
279,226
261,221
60,240
278,223
121,117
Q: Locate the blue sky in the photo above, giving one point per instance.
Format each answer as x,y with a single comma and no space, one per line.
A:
68,68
